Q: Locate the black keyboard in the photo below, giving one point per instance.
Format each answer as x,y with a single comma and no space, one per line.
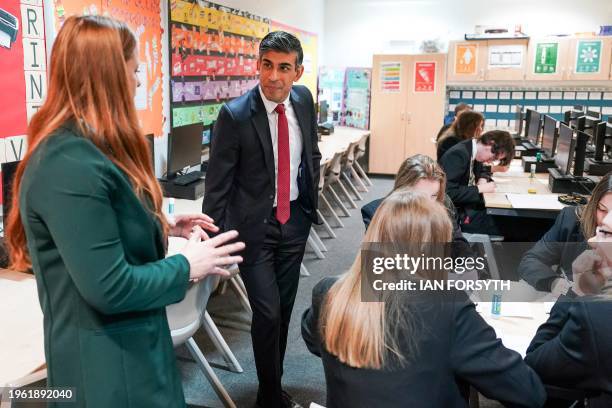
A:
529,146
188,178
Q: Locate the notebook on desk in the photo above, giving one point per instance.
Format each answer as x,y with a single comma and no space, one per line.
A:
535,201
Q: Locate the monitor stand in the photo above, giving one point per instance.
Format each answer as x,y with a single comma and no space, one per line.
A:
567,184
597,167
191,191
541,166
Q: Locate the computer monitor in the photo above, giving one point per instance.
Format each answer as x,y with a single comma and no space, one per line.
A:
518,120
549,133
151,144
184,147
564,149
580,145
8,175
593,114
603,137
532,123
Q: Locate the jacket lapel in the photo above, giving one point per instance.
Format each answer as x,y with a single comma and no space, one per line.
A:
302,114
262,128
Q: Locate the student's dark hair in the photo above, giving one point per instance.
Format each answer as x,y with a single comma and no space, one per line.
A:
500,142
461,106
588,214
282,41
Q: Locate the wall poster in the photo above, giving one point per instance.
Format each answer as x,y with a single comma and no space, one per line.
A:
356,102
588,56
424,76
546,58
390,77
466,58
506,56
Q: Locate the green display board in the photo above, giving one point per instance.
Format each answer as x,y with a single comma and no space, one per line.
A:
195,114
546,58
588,56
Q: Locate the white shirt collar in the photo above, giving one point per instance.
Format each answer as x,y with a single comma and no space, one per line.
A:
474,149
270,105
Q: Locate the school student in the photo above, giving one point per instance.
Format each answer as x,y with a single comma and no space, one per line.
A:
467,178
412,350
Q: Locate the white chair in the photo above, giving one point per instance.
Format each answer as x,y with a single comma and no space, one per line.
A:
486,240
359,153
348,171
323,200
332,177
185,318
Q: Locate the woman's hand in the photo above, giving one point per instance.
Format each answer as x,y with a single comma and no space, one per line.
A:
585,271
212,256
183,225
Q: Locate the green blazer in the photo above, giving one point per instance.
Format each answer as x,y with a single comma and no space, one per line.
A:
103,283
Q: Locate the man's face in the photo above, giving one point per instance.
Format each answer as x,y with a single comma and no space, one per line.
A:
277,73
484,154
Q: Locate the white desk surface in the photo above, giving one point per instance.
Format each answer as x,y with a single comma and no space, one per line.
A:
516,181
21,323
523,310
339,141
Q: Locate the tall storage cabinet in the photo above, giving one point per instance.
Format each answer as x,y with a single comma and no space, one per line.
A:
405,115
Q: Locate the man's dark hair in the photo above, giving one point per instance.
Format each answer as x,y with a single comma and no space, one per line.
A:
500,142
282,41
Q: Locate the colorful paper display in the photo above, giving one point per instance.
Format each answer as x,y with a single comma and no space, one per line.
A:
199,65
356,103
205,114
390,77
210,90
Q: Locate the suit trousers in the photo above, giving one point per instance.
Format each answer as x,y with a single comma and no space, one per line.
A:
271,283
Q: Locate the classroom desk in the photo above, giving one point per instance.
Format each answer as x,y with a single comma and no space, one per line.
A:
523,310
21,322
339,141
516,181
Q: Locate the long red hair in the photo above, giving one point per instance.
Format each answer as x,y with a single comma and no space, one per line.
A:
89,86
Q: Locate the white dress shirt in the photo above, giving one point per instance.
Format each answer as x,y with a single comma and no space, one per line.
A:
473,180
295,143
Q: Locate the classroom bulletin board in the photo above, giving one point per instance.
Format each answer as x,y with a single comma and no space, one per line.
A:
144,18
213,52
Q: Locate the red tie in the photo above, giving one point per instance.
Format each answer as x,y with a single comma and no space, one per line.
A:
282,181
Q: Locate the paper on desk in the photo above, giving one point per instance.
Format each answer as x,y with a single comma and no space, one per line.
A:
508,309
535,201
22,342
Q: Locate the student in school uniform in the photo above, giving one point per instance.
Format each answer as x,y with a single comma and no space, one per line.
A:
412,349
548,265
572,349
468,125
461,107
467,178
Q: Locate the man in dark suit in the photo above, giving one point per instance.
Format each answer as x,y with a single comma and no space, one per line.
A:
467,177
262,181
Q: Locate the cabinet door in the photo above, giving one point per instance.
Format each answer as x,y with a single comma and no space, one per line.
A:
425,107
547,59
590,58
467,61
506,60
388,113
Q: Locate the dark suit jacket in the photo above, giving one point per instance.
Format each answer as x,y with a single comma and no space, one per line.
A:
559,246
240,180
573,348
103,283
456,164
454,345
445,144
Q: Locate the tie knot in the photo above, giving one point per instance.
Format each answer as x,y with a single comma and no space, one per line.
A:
280,108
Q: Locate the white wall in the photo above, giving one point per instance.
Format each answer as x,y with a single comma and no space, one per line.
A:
357,29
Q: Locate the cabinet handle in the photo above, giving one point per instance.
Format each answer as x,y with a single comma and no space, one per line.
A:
408,118
402,116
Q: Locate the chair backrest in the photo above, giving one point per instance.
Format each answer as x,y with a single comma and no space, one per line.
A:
184,317
349,155
323,169
361,147
333,169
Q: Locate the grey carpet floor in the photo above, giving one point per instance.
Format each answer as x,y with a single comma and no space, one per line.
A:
303,372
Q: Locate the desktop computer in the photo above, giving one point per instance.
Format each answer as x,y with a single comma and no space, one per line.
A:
561,179
549,144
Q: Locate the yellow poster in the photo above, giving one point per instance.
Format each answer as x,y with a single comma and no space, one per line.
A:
309,45
465,58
